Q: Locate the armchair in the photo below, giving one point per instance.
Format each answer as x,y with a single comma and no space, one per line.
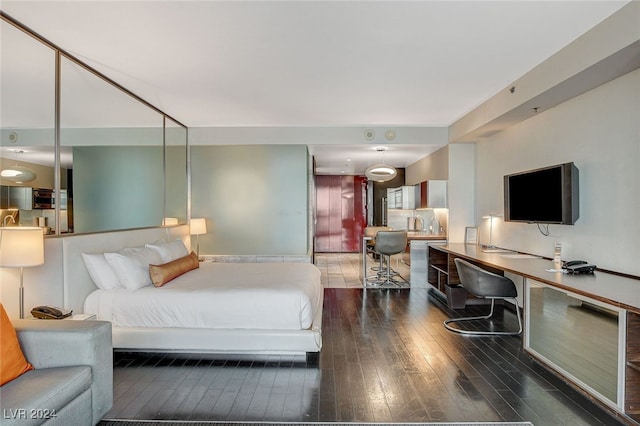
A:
72,382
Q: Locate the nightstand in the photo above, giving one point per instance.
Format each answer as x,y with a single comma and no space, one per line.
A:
73,317
81,317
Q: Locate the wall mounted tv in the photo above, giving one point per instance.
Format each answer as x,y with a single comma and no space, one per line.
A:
546,195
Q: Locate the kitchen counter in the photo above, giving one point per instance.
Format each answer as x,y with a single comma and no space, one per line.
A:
418,250
419,243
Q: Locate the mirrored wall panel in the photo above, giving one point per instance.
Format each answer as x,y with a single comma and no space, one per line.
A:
117,149
122,163
27,134
175,172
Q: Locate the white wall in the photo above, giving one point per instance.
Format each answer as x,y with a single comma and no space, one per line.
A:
461,190
600,132
254,197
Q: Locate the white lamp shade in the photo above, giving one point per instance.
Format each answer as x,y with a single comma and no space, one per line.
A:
169,221
491,215
380,172
198,226
21,247
18,174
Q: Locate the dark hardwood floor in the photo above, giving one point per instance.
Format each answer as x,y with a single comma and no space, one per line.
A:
386,358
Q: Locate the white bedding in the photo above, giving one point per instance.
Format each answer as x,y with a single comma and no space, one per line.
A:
276,296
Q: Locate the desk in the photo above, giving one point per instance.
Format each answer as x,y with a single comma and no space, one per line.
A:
585,327
611,289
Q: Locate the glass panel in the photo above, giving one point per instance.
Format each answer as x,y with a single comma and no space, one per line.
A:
175,171
118,180
117,151
27,117
577,334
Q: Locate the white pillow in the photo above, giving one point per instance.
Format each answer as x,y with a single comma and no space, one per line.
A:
169,251
100,271
131,266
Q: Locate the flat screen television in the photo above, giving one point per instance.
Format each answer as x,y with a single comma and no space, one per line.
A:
546,195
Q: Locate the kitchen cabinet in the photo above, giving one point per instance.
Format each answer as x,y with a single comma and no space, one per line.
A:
432,194
15,197
403,197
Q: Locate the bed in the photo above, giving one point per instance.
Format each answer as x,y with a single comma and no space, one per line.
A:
239,308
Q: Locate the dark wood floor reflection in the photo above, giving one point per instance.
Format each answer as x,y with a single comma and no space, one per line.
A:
386,358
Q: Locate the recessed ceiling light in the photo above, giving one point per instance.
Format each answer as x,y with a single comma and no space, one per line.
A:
369,134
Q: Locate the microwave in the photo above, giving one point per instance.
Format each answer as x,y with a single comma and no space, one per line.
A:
46,199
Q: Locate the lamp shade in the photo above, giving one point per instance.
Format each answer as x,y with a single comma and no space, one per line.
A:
169,221
380,172
198,226
21,247
18,174
491,215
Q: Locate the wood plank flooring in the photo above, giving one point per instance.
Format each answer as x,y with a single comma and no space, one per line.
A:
344,270
386,358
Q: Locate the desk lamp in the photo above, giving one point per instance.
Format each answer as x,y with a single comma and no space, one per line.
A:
21,247
490,216
198,226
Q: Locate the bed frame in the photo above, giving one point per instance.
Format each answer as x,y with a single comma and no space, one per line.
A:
77,285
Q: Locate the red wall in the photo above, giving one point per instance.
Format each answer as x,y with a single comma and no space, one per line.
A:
340,213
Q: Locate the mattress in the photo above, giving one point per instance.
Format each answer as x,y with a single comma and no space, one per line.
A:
281,296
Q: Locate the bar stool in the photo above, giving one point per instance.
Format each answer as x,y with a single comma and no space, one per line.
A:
389,243
371,232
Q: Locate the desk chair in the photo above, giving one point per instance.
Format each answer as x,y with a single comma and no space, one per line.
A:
389,243
487,285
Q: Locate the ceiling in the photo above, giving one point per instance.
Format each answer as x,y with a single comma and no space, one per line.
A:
356,64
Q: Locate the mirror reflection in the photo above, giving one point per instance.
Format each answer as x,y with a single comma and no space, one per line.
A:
119,168
176,171
117,150
588,351
27,138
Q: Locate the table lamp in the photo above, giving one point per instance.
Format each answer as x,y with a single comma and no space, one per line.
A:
21,247
490,216
169,221
198,226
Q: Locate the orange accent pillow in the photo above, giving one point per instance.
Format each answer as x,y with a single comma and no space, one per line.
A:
12,361
162,274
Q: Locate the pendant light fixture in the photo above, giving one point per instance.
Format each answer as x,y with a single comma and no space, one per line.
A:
16,173
381,172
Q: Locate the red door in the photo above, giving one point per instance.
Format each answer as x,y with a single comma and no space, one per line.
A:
340,213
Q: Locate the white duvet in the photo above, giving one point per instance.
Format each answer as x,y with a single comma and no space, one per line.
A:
282,296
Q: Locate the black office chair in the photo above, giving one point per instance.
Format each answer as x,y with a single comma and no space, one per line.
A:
487,285
389,243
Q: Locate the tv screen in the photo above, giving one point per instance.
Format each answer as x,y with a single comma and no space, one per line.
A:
546,195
